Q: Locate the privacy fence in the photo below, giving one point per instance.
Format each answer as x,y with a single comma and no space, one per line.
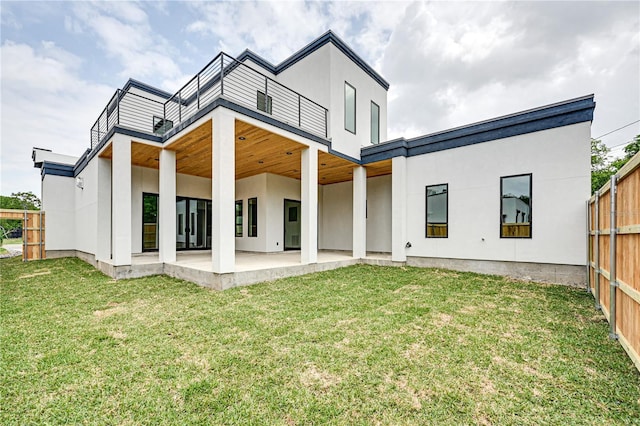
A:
32,231
614,255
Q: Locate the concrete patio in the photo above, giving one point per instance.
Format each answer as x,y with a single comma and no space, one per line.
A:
250,267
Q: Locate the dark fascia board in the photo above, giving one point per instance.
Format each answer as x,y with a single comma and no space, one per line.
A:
248,54
56,169
328,37
145,87
560,114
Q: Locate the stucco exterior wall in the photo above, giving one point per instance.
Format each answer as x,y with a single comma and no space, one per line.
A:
58,202
86,210
336,226
379,214
559,162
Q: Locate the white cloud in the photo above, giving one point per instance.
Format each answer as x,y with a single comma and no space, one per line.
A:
124,32
45,103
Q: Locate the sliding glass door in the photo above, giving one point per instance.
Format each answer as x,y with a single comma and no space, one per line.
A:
193,224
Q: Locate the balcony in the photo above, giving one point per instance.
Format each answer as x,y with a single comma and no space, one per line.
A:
224,77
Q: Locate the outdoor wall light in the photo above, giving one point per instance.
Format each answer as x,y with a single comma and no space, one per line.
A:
80,182
408,245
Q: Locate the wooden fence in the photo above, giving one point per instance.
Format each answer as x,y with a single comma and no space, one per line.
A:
614,255
32,231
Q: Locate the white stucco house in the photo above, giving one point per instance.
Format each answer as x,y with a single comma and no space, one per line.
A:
250,157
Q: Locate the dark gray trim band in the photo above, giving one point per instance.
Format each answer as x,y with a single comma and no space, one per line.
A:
547,117
56,169
145,87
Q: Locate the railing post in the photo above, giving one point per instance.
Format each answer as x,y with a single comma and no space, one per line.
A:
326,123
612,259
221,74
198,92
588,247
266,95
299,112
118,106
180,106
596,251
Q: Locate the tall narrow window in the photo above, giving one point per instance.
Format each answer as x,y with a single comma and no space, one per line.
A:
437,208
375,123
349,107
149,222
253,217
239,218
515,199
264,102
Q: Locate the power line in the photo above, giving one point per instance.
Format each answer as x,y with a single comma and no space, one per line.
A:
613,131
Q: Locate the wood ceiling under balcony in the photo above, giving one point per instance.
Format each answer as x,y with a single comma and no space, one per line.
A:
256,150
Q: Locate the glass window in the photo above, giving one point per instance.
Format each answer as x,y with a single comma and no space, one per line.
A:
349,107
437,207
264,102
253,217
239,218
375,123
149,222
515,198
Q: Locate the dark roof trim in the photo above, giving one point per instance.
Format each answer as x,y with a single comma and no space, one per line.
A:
560,114
328,37
147,88
56,169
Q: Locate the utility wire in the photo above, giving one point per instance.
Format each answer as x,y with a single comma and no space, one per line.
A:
613,131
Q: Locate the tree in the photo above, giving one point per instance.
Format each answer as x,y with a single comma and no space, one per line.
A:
19,201
602,168
600,165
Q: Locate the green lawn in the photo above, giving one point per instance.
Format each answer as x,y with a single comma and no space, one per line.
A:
359,345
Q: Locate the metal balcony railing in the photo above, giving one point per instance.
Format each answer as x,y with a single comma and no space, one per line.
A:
224,77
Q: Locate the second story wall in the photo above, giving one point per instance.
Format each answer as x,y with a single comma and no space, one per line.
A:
321,76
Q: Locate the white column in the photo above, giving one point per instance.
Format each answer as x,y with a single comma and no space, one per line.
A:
167,206
309,195
359,212
103,236
398,208
223,190
121,200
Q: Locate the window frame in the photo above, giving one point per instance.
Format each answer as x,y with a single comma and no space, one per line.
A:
268,105
377,124
355,106
530,236
252,228
426,212
241,225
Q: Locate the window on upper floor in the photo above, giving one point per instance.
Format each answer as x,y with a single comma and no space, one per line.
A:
264,102
375,123
437,211
239,218
349,108
515,202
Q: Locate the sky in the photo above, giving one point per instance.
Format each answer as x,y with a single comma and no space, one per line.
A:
448,63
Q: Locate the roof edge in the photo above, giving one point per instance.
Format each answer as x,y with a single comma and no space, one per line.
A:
145,87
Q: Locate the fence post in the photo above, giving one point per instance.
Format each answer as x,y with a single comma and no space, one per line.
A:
596,251
25,233
612,259
40,234
588,247
221,74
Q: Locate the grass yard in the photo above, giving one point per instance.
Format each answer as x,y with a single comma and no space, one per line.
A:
359,345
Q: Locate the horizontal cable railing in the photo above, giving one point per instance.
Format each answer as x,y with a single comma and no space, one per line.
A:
223,76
